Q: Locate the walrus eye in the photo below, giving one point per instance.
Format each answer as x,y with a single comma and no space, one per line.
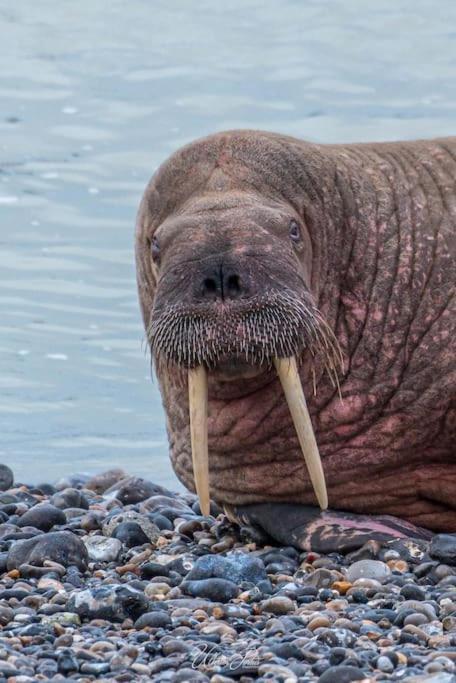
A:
155,249
295,231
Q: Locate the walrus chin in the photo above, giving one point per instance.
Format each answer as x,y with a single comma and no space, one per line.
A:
237,342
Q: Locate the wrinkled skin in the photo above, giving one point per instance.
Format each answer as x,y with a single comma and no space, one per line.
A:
376,251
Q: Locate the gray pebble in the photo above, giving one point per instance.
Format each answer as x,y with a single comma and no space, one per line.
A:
42,516
63,547
6,478
102,549
368,569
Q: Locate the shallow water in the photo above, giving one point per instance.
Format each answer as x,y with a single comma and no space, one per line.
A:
93,95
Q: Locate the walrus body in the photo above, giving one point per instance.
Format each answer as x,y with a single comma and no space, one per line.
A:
265,246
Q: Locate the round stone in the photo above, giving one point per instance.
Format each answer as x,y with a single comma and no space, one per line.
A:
63,547
218,590
102,549
341,674
149,529
6,478
368,569
130,534
158,619
42,516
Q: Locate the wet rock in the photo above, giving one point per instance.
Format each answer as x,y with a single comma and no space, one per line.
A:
132,490
412,592
42,516
167,505
130,534
443,548
6,478
385,664
217,590
152,569
157,619
238,567
60,546
62,618
320,578
278,605
368,569
111,602
76,481
95,668
92,520
70,498
341,674
103,481
67,662
102,549
149,529
277,672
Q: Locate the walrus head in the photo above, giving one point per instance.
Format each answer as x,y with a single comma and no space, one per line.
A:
224,265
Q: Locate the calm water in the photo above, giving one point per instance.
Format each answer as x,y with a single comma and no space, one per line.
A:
93,96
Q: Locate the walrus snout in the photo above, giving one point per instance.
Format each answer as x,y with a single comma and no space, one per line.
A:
224,283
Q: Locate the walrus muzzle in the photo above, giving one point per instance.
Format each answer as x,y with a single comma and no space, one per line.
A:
263,332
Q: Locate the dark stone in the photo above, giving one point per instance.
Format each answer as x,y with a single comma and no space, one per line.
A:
412,592
103,481
163,523
130,534
287,651
6,478
359,596
156,619
214,509
337,656
337,637
95,668
67,662
152,569
43,516
76,481
217,590
111,602
70,498
443,548
185,675
341,674
61,546
133,490
46,489
92,520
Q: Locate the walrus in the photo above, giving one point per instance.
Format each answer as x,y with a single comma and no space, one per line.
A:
298,300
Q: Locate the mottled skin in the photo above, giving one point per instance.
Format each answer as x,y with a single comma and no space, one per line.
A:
377,252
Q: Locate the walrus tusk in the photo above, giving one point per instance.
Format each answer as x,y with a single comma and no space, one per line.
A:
291,384
197,400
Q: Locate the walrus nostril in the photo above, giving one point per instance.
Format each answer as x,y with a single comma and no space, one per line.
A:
233,286
219,284
209,287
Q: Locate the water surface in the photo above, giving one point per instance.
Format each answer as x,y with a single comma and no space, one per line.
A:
93,96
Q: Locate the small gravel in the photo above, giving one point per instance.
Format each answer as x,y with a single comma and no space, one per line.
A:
113,578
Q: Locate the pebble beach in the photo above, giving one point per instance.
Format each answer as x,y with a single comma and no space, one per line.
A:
113,578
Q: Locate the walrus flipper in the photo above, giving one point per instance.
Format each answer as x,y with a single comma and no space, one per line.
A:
308,528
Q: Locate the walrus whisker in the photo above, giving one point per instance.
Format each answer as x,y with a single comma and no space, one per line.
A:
276,324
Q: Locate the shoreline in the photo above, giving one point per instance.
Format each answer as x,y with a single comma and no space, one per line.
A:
112,577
